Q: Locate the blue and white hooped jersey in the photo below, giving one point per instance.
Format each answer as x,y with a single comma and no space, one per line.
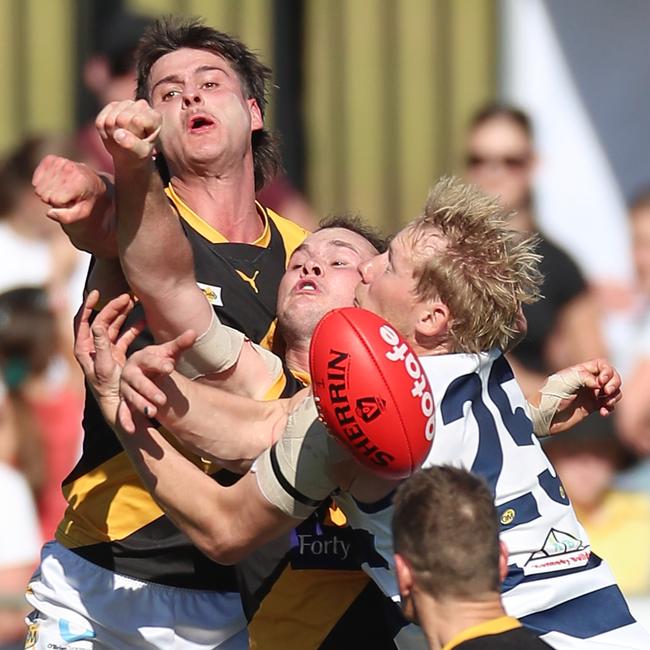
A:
555,584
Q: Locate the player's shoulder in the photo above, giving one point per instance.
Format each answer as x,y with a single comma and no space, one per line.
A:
292,234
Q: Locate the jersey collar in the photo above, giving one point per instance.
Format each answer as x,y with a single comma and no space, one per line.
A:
206,230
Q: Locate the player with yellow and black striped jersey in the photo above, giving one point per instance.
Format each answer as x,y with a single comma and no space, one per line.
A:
120,575
302,591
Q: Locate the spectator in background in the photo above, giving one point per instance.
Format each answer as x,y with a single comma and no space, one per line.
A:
628,330
450,564
33,250
44,400
20,543
617,522
111,77
563,327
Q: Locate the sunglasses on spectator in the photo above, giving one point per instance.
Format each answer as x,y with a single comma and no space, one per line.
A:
511,163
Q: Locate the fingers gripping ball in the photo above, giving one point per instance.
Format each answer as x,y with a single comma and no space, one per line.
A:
371,391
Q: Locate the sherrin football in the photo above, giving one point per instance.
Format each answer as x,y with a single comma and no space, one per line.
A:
371,391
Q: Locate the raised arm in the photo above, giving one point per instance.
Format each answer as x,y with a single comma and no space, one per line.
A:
81,201
225,523
158,263
570,395
155,255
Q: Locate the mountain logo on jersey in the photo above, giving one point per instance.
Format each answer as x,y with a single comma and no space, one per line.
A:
369,408
212,293
560,551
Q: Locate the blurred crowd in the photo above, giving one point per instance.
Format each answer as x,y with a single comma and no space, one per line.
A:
604,464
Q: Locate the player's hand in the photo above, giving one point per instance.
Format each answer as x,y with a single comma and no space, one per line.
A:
71,189
129,130
142,377
596,387
100,349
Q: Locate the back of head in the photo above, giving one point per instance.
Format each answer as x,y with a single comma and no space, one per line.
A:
172,33
445,527
482,269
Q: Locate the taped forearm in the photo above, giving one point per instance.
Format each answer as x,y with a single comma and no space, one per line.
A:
219,348
214,351
557,388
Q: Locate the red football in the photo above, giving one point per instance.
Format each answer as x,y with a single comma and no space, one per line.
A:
371,391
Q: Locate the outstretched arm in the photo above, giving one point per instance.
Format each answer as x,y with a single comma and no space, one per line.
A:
227,428
570,395
81,201
158,262
225,523
155,255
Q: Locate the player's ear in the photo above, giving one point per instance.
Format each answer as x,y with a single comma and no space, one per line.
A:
404,576
432,320
257,121
503,561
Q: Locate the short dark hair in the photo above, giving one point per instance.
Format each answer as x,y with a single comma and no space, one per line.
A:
170,33
445,526
356,224
495,110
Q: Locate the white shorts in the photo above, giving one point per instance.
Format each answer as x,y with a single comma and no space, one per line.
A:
79,605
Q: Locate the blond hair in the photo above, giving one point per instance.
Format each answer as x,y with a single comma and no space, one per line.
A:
482,269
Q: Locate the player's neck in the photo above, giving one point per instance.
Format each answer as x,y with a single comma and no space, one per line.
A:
227,203
297,355
442,621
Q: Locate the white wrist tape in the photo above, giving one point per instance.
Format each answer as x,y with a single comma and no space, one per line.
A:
216,350
557,388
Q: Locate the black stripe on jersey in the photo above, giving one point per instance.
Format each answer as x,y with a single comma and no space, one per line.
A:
217,265
175,562
286,486
382,619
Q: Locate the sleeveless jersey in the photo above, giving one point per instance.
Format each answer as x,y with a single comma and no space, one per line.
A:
555,585
111,520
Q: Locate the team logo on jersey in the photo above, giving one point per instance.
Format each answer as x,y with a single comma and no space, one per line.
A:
212,293
560,551
508,516
250,279
369,408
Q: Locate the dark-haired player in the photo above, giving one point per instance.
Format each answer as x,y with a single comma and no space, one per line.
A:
120,574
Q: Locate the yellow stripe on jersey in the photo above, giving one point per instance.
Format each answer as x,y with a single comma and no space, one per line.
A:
110,502
302,608
106,504
212,234
292,234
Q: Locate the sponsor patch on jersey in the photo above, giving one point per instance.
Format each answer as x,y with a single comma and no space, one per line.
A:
560,551
212,293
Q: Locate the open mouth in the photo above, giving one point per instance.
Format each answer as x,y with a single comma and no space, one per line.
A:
198,123
306,286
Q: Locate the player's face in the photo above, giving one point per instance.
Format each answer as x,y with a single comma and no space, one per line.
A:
388,285
207,119
322,274
499,160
